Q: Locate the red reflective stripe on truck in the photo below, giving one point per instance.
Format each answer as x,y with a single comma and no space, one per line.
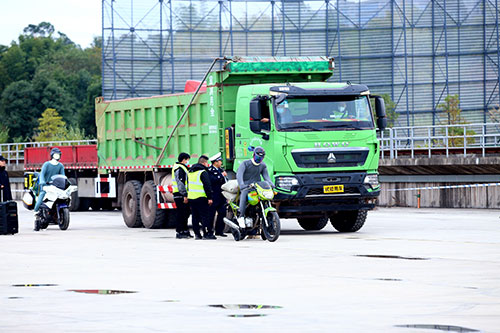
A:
167,206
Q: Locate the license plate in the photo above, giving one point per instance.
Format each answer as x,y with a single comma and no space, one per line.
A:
333,188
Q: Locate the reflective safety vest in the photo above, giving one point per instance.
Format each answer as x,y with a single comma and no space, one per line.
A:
195,185
174,182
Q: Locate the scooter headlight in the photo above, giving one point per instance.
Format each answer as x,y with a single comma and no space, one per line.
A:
268,194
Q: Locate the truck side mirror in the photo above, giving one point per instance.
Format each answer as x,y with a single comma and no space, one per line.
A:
256,126
256,108
380,112
381,123
379,107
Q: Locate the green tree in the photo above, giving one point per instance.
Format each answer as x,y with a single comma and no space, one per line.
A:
453,116
19,109
45,69
51,127
4,134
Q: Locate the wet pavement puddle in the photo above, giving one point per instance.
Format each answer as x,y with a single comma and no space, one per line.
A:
14,297
446,328
383,279
244,306
35,285
381,256
171,301
102,291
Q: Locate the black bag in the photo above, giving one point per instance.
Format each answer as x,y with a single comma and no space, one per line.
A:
8,218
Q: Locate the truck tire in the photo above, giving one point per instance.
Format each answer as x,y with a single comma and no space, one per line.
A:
152,216
84,204
170,220
349,221
313,223
131,210
75,199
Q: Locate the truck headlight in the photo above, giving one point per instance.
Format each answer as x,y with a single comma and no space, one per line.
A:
286,183
372,179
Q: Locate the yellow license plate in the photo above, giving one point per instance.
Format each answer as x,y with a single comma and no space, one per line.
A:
333,188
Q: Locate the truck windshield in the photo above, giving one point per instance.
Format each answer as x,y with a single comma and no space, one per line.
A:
323,113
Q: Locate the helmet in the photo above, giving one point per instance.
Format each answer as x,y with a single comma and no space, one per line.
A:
258,155
55,151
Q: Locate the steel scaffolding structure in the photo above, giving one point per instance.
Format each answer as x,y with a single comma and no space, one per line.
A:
417,51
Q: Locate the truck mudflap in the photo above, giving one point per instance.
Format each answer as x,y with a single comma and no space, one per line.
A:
309,197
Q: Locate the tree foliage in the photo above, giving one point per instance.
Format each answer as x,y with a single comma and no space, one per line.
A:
46,70
453,116
51,127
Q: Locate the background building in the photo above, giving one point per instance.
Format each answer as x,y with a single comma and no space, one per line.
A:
417,51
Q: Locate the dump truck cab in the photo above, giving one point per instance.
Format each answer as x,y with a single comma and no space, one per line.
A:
321,145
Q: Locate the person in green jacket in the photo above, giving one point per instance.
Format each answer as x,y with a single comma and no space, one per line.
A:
49,169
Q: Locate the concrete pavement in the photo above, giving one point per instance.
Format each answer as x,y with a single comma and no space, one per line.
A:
404,267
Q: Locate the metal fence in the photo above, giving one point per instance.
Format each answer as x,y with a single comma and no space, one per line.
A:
417,51
14,152
442,140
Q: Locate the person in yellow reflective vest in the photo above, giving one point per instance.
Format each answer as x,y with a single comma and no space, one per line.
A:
179,185
200,198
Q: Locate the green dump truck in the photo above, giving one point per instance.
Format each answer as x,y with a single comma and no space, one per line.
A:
320,139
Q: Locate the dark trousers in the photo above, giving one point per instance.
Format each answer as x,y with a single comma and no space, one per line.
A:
201,216
220,209
181,215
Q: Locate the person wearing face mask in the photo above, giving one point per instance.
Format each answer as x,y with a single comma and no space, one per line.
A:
340,112
249,172
49,169
284,113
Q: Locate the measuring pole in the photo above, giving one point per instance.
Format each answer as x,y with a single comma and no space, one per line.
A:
186,109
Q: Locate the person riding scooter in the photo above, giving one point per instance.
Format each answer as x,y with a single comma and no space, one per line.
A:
249,172
49,169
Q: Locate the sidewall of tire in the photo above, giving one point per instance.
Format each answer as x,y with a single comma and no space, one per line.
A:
152,217
131,211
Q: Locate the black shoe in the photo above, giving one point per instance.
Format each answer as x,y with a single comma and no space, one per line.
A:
197,237
181,235
209,236
187,234
221,235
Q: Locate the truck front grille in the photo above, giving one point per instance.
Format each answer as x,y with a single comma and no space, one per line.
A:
322,158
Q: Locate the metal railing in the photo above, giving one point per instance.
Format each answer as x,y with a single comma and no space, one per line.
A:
14,152
440,140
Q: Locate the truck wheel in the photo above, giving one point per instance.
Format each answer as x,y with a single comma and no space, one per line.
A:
313,223
131,211
349,220
170,220
84,204
152,216
75,199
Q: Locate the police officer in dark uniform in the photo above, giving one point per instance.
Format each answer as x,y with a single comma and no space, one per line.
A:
6,194
217,178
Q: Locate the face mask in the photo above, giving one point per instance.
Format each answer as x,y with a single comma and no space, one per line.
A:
258,159
56,157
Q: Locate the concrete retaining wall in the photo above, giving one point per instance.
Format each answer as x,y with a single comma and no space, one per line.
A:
479,197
